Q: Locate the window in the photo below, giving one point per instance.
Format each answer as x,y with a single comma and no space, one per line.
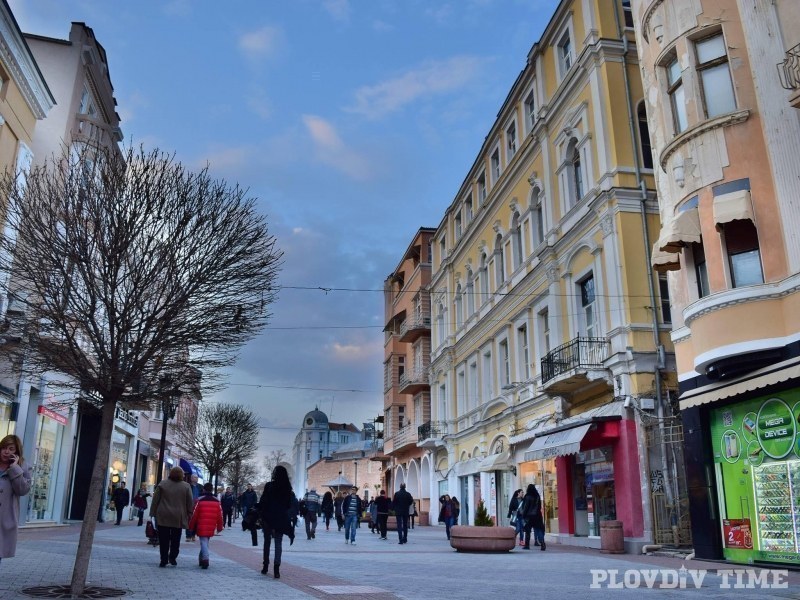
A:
442,251
459,308
401,410
484,276
442,403
524,352
663,291
565,54
481,188
644,137
401,366
677,95
488,385
530,110
495,163
461,393
544,326
511,141
505,368
537,217
715,76
499,263
468,208
576,172
700,270
626,9
470,294
87,106
588,310
473,385
440,332
744,256
457,225
516,238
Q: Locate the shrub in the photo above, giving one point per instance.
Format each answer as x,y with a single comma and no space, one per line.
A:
482,518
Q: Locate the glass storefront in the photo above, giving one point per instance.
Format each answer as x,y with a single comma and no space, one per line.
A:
542,474
757,461
118,462
6,425
49,431
593,489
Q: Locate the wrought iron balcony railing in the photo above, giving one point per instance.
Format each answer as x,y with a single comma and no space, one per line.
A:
581,352
432,430
789,69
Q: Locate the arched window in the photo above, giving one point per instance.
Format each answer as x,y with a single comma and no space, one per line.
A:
459,308
499,263
516,241
537,217
576,172
644,137
440,323
470,294
484,277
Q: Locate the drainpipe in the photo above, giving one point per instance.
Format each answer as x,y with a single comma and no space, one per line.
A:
648,267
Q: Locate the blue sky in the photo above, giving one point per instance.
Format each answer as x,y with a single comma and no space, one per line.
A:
353,122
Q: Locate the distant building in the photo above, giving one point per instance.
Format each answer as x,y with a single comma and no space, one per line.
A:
318,438
356,463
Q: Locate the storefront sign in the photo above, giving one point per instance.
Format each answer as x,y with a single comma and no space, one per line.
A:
775,428
52,415
737,533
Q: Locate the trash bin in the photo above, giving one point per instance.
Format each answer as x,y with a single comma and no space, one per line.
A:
611,538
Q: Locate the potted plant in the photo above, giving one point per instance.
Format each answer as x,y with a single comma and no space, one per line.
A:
484,536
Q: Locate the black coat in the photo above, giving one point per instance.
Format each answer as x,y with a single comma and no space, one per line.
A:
228,501
531,510
275,508
121,497
402,502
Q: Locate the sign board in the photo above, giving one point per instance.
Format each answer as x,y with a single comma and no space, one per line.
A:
51,414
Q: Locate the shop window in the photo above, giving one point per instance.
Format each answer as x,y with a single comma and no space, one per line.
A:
677,95
715,76
594,490
644,137
744,255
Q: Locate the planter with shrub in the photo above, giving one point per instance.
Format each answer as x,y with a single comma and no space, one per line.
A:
484,536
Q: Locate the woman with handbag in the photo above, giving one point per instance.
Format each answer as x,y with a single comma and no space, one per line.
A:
140,503
275,507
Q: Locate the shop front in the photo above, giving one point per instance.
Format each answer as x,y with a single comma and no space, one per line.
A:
49,433
756,450
587,470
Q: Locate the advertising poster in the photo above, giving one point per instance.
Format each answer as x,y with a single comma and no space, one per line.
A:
757,451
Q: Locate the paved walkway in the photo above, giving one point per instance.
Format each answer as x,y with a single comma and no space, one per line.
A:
424,569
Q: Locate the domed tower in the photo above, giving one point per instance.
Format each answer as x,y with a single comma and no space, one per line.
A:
310,444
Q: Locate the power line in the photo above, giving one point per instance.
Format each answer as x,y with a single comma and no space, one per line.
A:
298,387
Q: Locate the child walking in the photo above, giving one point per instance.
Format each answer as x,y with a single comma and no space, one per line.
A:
206,520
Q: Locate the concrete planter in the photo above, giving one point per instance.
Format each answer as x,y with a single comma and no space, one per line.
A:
468,538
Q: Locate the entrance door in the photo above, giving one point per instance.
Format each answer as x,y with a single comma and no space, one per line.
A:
464,500
503,496
581,500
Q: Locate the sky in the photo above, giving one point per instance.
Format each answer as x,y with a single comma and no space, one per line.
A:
353,123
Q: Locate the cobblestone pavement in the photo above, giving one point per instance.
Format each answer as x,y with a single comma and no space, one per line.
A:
424,569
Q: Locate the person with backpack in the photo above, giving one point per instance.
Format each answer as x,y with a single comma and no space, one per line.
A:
312,510
531,511
206,520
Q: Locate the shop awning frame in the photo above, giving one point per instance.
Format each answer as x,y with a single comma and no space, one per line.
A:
189,467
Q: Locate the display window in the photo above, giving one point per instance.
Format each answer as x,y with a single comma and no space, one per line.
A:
542,474
44,472
593,488
756,448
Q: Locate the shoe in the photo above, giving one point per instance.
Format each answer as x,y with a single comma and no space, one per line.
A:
535,543
204,564
544,546
173,562
277,572
353,542
526,547
347,541
265,568
308,537
313,535
162,565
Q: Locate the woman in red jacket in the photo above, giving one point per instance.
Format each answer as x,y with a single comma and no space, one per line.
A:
206,520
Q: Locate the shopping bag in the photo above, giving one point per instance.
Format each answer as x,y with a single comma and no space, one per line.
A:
151,533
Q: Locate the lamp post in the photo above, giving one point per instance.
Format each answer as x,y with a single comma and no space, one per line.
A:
169,403
355,483
217,446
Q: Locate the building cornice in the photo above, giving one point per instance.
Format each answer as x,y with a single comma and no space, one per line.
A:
695,131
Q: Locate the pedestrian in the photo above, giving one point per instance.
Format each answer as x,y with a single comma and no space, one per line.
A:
337,509
248,499
382,505
15,481
140,503
412,515
206,520
456,509
516,518
402,503
275,508
172,505
228,502
446,513
373,515
351,509
312,510
327,509
531,510
197,491
121,497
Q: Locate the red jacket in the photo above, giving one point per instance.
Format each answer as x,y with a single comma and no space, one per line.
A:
207,516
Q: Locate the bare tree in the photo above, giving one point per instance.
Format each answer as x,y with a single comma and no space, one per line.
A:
220,435
274,459
238,474
131,268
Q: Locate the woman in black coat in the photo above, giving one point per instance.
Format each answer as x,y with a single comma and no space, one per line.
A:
531,510
275,507
516,519
327,509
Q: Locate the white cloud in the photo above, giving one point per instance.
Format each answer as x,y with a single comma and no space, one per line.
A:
261,43
332,151
433,78
338,9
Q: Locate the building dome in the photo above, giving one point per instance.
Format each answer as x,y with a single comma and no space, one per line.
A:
315,418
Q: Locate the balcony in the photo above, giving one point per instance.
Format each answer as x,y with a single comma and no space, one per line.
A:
414,382
127,417
405,436
574,364
789,73
413,329
431,433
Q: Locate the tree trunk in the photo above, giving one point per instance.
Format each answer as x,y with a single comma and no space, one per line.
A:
84,554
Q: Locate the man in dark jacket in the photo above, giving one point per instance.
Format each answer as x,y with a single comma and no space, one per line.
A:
402,503
382,504
248,500
351,509
121,498
228,502
312,509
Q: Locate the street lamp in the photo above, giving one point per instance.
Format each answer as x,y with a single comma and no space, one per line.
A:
170,397
355,462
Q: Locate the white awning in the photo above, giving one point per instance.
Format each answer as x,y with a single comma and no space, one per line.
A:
683,229
467,467
753,381
664,261
733,206
496,462
558,443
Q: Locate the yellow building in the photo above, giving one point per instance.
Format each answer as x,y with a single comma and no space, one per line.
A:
726,139
550,355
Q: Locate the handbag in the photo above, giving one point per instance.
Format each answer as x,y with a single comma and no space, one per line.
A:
150,531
